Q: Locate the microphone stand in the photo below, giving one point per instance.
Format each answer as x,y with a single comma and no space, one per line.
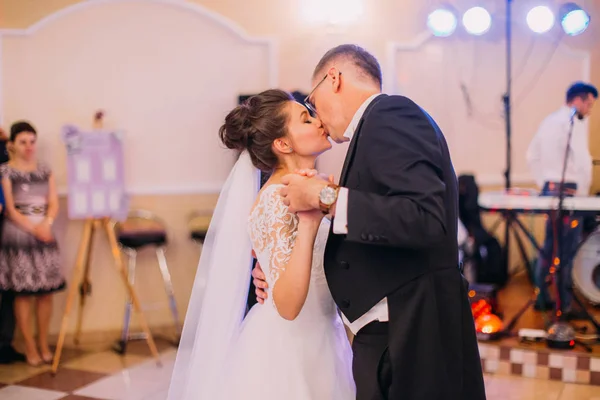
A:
510,217
512,224
559,222
560,251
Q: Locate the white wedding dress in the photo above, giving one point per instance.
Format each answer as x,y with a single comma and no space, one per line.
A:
225,355
308,358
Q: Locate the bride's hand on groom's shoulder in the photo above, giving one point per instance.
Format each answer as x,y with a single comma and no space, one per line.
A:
313,172
307,172
260,282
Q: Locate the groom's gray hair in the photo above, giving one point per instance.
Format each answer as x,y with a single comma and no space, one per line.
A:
364,61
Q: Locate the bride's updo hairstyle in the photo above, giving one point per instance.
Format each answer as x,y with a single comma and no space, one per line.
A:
255,125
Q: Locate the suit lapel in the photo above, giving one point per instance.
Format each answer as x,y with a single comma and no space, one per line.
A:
354,141
350,154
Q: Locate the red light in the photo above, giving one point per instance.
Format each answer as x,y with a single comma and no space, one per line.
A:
572,343
480,307
488,324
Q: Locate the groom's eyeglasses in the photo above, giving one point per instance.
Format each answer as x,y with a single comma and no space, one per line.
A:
311,107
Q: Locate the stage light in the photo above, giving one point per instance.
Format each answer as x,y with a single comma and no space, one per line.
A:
489,327
477,21
540,19
561,335
574,20
442,21
480,307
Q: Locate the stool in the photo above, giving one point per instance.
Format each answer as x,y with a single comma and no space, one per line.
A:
143,229
198,223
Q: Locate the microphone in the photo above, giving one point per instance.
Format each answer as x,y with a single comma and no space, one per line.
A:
572,113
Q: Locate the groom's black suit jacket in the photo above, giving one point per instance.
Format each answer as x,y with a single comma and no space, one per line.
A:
402,206
402,245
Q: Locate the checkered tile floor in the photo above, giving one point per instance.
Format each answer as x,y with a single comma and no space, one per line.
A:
508,358
99,375
104,375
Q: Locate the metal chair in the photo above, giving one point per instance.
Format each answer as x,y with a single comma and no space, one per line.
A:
198,223
143,229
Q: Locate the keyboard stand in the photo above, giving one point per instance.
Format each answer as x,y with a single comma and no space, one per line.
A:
514,225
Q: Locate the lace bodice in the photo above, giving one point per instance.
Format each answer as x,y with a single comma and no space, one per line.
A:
273,230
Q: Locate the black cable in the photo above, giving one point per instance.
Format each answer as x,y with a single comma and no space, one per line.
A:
472,113
521,68
539,73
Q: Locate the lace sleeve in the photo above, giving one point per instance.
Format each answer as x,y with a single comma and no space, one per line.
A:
273,230
281,230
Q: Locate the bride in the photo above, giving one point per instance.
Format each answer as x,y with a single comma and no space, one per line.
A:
299,338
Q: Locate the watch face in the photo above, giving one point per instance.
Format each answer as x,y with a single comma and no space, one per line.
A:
327,196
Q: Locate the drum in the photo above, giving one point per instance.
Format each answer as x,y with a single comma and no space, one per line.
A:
586,268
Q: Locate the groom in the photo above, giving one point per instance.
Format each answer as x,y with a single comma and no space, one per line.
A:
392,257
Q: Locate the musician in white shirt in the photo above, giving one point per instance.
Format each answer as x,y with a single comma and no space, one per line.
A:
545,157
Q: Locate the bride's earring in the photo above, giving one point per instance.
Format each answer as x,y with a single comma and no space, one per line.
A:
290,149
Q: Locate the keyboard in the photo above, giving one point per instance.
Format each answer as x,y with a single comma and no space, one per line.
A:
533,203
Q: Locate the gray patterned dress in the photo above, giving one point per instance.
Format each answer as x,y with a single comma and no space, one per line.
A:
27,265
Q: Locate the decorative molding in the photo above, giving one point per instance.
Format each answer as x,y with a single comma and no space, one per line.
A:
392,48
206,188
213,188
392,86
422,38
182,4
269,43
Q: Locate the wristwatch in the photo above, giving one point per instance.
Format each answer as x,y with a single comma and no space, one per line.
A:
328,197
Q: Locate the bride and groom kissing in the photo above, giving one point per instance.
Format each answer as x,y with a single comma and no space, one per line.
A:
376,252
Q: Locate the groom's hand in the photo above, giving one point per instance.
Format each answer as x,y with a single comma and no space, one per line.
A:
261,284
301,193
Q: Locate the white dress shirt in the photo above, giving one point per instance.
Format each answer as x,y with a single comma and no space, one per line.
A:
546,152
340,227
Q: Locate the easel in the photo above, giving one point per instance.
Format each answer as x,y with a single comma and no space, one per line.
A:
82,282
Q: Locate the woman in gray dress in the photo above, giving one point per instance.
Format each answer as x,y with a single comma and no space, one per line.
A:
29,257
